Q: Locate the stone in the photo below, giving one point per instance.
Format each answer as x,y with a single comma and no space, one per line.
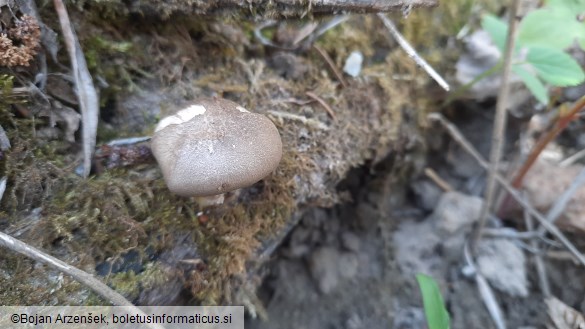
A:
455,212
504,265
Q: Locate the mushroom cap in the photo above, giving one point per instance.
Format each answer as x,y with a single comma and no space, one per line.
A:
215,146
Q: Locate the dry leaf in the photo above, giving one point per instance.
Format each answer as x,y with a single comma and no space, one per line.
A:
546,181
563,316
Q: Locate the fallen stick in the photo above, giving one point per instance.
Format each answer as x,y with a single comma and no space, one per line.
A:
84,88
84,278
411,52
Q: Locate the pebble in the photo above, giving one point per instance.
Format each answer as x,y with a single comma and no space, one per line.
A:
504,265
456,211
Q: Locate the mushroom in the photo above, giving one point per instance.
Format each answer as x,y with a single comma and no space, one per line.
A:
214,146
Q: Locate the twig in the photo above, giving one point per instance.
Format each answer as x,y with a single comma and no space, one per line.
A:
304,32
412,53
309,39
561,255
323,103
509,233
457,93
331,65
291,100
459,138
128,141
85,90
252,75
540,268
430,173
2,187
333,22
83,277
572,159
87,279
499,130
485,291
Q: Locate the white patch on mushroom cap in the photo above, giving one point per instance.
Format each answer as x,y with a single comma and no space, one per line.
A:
190,112
183,115
172,120
241,109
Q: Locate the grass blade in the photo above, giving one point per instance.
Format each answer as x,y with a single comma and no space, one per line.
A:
435,311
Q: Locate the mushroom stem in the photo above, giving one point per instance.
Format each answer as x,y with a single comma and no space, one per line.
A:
209,201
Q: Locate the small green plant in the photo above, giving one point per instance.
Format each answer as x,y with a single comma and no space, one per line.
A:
435,311
543,36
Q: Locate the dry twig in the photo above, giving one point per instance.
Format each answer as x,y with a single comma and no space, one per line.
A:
86,92
331,65
540,268
83,277
412,52
572,159
499,124
485,291
432,175
322,103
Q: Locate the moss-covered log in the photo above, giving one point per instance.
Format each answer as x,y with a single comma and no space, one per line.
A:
123,225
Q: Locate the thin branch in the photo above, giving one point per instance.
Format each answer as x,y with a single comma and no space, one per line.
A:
331,65
499,131
538,261
84,88
2,187
572,159
509,233
323,104
412,53
333,22
83,277
459,138
485,291
87,279
432,175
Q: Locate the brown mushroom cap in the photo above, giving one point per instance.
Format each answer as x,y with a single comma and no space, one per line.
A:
215,146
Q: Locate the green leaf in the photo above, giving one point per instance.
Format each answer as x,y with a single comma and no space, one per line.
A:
497,29
574,6
533,83
555,67
435,311
550,27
